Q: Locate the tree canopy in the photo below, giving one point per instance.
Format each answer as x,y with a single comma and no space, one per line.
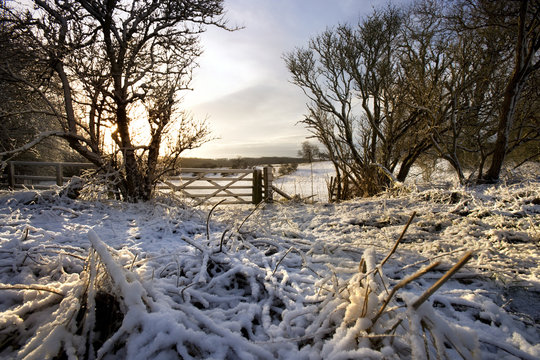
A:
445,79
101,66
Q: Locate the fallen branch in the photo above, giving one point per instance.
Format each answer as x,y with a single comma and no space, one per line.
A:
520,354
31,287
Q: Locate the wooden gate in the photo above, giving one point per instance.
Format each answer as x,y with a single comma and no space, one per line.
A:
234,186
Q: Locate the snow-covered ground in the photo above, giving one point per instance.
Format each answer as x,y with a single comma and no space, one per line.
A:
309,181
289,280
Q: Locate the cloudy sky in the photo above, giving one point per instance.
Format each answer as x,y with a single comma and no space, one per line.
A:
242,85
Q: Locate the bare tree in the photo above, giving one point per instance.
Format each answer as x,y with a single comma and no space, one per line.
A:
526,61
518,23
320,74
431,79
309,151
524,144
435,68
351,75
114,61
479,44
23,114
319,124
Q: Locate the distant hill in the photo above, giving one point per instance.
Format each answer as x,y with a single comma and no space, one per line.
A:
237,163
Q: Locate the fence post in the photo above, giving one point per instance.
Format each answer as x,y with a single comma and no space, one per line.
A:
59,175
268,191
11,175
257,187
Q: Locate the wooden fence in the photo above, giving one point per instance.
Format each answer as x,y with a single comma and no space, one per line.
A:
16,180
233,186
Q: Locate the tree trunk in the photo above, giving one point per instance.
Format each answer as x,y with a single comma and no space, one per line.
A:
151,164
522,69
406,167
506,117
133,179
71,134
410,159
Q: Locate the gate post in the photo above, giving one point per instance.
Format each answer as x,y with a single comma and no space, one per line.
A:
11,175
268,191
59,174
257,194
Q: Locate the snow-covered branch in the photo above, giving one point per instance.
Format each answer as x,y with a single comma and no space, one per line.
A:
7,155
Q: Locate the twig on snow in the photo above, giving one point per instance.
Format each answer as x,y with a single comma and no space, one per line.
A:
442,280
520,354
190,242
31,287
133,262
222,239
398,240
247,217
401,284
208,219
280,260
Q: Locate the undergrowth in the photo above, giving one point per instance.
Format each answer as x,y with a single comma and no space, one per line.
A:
230,294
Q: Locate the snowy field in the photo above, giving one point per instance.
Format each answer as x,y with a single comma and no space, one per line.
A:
309,182
161,280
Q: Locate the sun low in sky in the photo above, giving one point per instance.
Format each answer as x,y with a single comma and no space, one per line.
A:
242,84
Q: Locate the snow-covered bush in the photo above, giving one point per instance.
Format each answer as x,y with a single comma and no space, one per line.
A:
286,169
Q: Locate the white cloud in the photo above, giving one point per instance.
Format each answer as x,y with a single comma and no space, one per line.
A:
242,83
255,120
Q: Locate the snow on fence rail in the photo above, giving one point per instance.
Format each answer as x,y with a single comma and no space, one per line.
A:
234,186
